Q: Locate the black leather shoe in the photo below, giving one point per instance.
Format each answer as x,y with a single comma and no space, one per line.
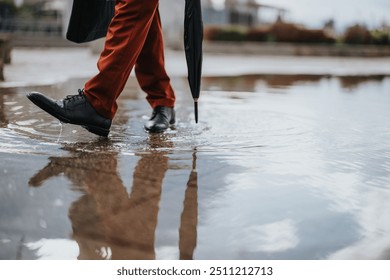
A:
74,109
162,118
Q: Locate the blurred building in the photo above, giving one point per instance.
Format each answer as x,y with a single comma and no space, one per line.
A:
245,13
38,18
172,17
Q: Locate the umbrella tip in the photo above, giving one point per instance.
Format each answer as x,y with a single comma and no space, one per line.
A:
196,110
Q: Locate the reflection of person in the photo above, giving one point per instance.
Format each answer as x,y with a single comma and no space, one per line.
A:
125,224
107,222
134,38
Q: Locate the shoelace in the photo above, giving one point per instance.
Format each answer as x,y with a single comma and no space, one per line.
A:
75,97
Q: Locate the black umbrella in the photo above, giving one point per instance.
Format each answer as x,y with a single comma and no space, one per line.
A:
193,37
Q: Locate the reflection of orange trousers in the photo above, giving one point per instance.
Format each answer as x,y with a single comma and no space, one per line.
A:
134,38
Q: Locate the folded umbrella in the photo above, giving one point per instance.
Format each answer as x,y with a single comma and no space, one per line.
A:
193,38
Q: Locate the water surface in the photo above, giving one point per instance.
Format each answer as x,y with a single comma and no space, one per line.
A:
279,167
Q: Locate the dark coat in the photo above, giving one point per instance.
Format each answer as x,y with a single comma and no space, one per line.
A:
89,20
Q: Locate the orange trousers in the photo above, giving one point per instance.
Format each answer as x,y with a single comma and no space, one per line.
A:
134,39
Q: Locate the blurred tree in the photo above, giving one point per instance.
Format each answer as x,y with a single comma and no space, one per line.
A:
330,28
381,35
357,34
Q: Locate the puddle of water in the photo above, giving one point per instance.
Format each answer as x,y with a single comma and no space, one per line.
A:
279,167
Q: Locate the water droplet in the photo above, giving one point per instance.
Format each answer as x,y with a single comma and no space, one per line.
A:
58,203
59,136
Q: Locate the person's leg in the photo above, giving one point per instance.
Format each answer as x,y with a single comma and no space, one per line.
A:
153,79
125,39
95,106
150,68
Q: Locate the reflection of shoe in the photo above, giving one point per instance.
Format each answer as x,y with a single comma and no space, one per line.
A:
162,118
74,109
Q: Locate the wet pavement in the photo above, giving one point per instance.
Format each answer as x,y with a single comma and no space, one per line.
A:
280,167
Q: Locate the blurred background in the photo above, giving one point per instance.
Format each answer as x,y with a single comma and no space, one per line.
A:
280,27
44,22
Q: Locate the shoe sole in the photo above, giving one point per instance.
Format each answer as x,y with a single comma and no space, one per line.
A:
91,128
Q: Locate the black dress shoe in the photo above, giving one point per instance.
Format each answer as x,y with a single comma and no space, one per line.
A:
162,118
74,109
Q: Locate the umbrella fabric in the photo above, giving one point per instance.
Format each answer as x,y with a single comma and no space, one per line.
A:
193,38
89,20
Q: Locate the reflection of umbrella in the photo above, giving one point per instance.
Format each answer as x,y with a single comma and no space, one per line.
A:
193,36
189,216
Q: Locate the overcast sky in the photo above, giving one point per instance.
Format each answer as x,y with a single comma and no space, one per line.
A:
314,13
